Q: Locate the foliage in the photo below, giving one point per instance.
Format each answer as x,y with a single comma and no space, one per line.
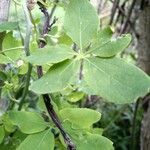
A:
79,60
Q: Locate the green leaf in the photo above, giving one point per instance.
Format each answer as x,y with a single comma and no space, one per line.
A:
81,22
4,59
57,78
9,43
75,96
28,122
114,79
95,142
2,134
51,54
81,117
39,141
112,47
8,26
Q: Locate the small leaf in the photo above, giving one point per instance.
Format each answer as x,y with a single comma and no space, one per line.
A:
51,54
112,47
8,26
75,97
81,22
57,78
28,122
39,141
2,134
114,80
81,117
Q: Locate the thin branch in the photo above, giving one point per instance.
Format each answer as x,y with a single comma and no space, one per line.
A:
114,8
46,97
120,9
27,51
128,17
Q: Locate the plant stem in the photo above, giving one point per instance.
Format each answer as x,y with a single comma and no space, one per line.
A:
46,97
133,140
27,51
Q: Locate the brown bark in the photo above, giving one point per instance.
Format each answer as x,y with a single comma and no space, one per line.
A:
143,48
144,40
